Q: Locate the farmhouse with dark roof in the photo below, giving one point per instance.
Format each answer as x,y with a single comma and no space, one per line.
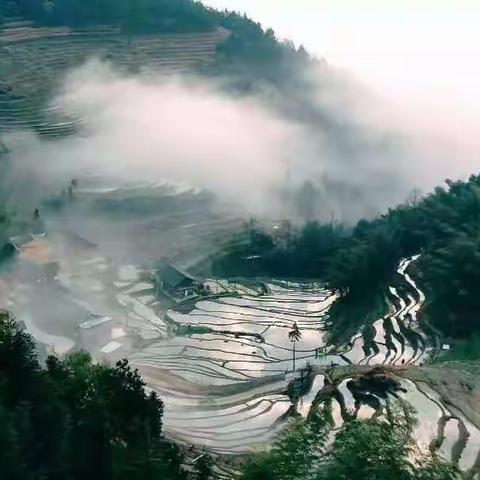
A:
175,282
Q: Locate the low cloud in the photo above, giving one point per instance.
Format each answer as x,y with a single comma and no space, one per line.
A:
362,153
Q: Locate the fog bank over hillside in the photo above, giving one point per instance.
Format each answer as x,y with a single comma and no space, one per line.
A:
361,153
178,130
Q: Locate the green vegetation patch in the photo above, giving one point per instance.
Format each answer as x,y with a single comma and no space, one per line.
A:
73,419
188,330
350,314
368,449
466,350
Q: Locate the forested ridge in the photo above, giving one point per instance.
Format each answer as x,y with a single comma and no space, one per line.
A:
249,50
144,15
443,226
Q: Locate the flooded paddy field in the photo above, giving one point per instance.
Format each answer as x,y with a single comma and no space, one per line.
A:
224,363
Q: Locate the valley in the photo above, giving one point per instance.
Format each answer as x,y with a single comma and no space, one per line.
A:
223,364
203,275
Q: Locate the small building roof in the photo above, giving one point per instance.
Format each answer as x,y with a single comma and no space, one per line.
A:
94,322
31,247
173,276
20,241
111,347
118,332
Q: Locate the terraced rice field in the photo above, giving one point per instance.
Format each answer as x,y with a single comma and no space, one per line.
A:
223,368
165,219
244,343
33,63
399,338
247,351
441,428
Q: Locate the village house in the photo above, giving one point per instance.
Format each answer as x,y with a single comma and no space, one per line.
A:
95,332
35,255
112,353
176,283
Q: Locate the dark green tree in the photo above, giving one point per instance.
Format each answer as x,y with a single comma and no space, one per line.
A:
362,449
75,420
203,467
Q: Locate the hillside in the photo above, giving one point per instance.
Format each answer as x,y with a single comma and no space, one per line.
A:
358,263
33,65
36,52
149,331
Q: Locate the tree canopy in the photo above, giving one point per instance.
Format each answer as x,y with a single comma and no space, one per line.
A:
137,15
371,449
444,227
73,419
248,52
